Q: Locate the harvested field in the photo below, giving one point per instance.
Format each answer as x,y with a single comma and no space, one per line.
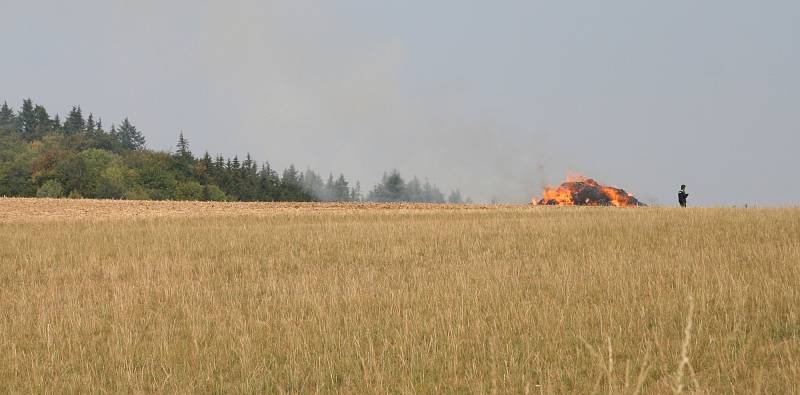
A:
28,209
118,296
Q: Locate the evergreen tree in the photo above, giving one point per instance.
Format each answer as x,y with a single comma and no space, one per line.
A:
341,189
27,119
330,190
129,137
395,187
90,124
390,189
248,180
183,148
455,197
413,192
223,178
206,171
431,193
427,192
74,122
7,119
436,195
268,184
291,186
219,167
183,159
355,193
249,164
42,123
290,176
313,185
234,179
98,138
6,113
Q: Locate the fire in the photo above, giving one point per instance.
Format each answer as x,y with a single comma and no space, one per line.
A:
582,191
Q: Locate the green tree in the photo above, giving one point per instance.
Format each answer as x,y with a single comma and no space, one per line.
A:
313,184
183,160
355,193
290,176
183,148
413,191
82,172
16,163
341,189
330,189
129,137
90,124
291,187
56,123
50,189
213,193
268,184
204,168
74,122
42,123
112,182
455,197
390,189
432,194
154,174
189,190
248,179
7,119
27,119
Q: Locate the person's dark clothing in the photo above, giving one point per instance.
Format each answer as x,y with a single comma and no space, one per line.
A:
682,195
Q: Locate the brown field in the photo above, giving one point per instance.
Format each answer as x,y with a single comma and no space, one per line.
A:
188,297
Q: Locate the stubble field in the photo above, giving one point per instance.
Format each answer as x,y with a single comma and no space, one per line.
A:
114,296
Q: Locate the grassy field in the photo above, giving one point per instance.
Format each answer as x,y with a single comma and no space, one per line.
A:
101,296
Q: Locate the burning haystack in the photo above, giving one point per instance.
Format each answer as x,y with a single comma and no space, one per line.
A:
581,191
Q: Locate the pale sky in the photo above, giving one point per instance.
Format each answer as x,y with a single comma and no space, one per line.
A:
494,98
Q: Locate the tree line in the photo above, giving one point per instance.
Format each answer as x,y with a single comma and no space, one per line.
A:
44,156
393,188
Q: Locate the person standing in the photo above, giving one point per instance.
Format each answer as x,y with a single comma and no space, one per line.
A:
682,195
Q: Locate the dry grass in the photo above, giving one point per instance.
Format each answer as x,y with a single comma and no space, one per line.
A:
191,297
29,210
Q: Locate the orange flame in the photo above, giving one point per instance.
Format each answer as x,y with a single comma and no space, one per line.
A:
579,190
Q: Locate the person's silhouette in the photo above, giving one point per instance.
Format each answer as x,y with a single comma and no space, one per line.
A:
682,195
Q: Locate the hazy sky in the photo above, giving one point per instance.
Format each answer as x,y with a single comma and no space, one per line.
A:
491,97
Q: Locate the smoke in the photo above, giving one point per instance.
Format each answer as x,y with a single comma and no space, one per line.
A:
312,88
